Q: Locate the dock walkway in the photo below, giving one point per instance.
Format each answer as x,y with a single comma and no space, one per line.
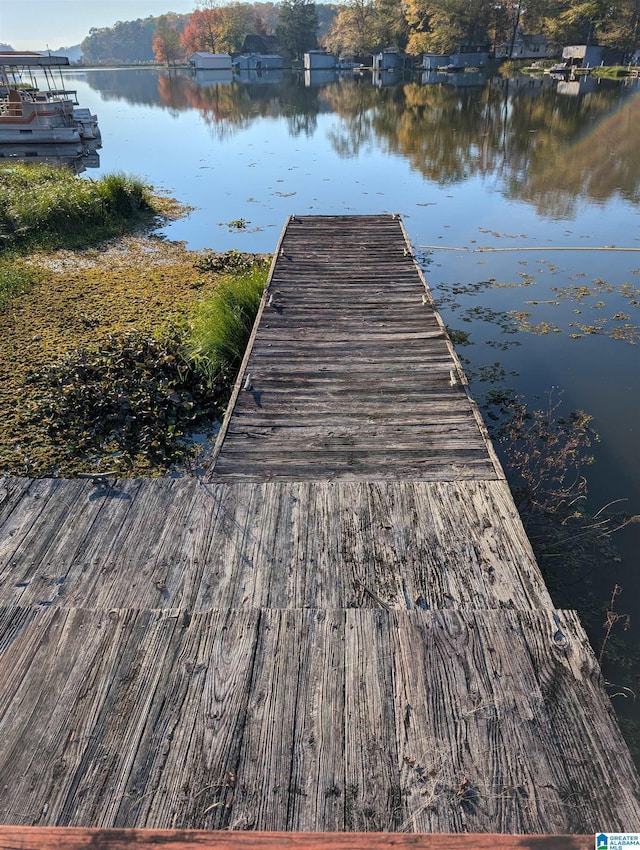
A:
341,626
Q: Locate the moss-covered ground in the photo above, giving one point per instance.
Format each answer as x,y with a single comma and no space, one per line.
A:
78,300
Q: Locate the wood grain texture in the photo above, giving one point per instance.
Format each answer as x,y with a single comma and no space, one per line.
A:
165,544
56,838
359,719
347,332
345,628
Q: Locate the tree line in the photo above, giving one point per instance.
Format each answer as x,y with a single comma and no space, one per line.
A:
291,26
441,26
362,27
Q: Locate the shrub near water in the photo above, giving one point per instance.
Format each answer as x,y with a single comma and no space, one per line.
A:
132,401
222,325
132,397
46,206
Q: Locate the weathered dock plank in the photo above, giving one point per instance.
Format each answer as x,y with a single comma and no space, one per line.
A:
347,330
286,719
343,628
186,544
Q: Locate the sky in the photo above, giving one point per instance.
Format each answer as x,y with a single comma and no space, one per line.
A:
36,24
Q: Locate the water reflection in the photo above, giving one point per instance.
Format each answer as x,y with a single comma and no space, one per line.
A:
228,106
75,157
544,140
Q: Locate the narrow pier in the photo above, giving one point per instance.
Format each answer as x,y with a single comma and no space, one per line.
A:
341,627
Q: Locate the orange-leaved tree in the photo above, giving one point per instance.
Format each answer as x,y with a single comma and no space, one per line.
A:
204,30
166,40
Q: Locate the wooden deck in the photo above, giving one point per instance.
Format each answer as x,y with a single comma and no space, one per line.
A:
343,628
352,374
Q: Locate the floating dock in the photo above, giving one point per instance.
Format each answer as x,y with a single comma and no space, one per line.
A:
340,627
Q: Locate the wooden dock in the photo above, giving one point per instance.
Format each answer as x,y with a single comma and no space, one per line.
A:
341,627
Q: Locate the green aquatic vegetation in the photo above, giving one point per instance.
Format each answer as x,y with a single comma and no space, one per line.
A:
47,206
585,295
547,451
626,333
230,262
77,301
459,337
15,277
505,321
132,397
493,374
541,328
573,293
221,326
502,344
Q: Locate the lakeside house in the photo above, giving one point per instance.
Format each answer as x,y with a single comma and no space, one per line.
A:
527,46
591,55
466,56
390,60
258,54
202,61
258,62
319,60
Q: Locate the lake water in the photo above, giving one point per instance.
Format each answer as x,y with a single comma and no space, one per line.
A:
523,166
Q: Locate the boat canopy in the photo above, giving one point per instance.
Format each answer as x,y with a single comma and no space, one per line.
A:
37,60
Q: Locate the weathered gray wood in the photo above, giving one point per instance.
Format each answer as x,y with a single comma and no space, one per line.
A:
185,768
373,793
282,544
458,720
76,691
349,325
344,629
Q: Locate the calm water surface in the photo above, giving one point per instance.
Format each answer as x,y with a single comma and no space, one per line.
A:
501,164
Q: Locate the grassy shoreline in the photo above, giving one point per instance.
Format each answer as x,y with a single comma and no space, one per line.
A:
97,368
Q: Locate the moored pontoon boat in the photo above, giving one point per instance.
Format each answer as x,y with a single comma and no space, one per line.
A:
47,115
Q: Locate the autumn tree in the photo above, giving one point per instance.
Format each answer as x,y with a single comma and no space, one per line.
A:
621,27
575,21
442,26
266,17
352,30
125,41
203,32
239,20
166,40
297,27
214,28
390,24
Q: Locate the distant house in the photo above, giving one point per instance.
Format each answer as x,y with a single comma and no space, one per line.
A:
433,61
210,61
319,60
389,60
258,54
527,46
466,56
591,55
258,62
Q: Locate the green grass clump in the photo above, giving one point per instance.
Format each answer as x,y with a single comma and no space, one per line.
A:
222,325
44,206
611,72
15,277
